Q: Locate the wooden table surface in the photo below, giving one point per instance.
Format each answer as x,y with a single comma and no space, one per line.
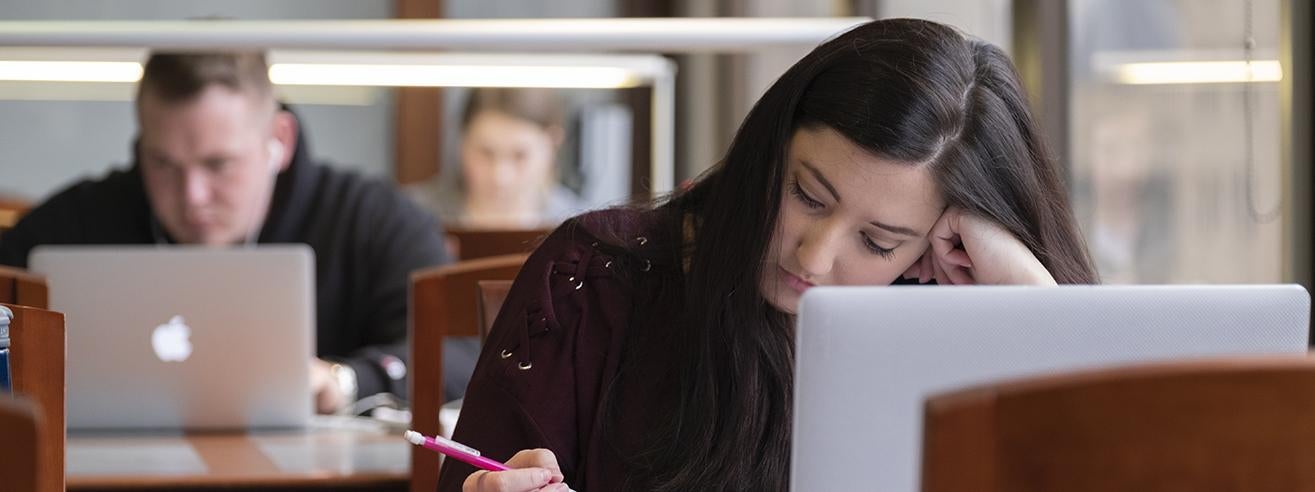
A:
330,458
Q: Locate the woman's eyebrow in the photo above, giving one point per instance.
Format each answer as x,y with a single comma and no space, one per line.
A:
896,229
901,230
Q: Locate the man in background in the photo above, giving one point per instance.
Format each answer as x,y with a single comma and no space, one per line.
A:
219,162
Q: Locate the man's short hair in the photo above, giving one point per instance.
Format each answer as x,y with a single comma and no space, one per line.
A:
175,77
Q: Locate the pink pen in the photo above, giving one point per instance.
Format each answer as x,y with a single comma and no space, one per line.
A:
461,452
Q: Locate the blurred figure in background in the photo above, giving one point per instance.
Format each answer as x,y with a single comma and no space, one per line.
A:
219,162
508,174
1132,229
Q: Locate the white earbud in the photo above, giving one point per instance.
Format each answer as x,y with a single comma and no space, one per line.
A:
275,156
275,149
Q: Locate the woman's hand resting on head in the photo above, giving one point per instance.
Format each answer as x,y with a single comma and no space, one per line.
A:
967,249
532,470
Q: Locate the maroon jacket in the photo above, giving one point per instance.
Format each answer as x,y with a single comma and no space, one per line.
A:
558,342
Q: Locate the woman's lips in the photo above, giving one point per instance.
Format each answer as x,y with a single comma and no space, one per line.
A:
792,280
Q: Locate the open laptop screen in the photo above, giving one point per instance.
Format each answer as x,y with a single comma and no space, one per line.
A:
867,357
173,337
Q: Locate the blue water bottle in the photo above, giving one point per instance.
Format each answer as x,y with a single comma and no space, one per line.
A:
5,316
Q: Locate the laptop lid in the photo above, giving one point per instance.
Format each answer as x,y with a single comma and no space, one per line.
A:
184,336
868,357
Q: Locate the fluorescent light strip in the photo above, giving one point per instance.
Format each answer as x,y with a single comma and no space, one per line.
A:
22,90
648,35
585,77
1213,72
451,75
558,76
70,71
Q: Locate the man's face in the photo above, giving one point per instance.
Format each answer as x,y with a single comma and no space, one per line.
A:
207,164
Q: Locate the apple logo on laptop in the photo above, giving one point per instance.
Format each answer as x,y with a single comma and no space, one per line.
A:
171,342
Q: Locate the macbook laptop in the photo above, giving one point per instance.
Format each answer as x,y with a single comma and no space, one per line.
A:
868,357
184,337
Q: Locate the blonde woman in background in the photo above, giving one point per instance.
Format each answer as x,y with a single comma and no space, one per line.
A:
508,174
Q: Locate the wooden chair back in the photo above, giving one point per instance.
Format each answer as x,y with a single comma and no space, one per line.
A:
444,302
471,244
18,286
1237,424
20,447
491,295
11,210
36,358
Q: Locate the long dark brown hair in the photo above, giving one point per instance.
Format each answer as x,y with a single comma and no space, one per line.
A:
911,91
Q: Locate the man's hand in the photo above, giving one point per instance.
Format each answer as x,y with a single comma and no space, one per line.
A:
329,398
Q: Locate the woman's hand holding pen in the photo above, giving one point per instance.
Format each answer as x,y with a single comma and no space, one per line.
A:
532,470
968,249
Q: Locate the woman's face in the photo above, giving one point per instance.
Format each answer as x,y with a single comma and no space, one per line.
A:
505,158
847,218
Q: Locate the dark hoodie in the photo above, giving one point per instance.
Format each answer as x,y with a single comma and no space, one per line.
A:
367,239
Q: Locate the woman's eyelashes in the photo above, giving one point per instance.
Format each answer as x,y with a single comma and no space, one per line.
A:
799,193
875,248
813,203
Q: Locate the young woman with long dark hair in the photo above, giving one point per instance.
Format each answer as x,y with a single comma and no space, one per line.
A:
651,348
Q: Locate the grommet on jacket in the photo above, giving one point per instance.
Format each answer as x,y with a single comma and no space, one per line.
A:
554,334
575,268
536,323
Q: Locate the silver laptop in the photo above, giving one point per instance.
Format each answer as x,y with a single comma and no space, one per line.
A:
868,357
179,337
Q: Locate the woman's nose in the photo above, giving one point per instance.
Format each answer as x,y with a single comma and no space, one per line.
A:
818,248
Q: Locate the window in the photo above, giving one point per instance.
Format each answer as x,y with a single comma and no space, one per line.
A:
1175,138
